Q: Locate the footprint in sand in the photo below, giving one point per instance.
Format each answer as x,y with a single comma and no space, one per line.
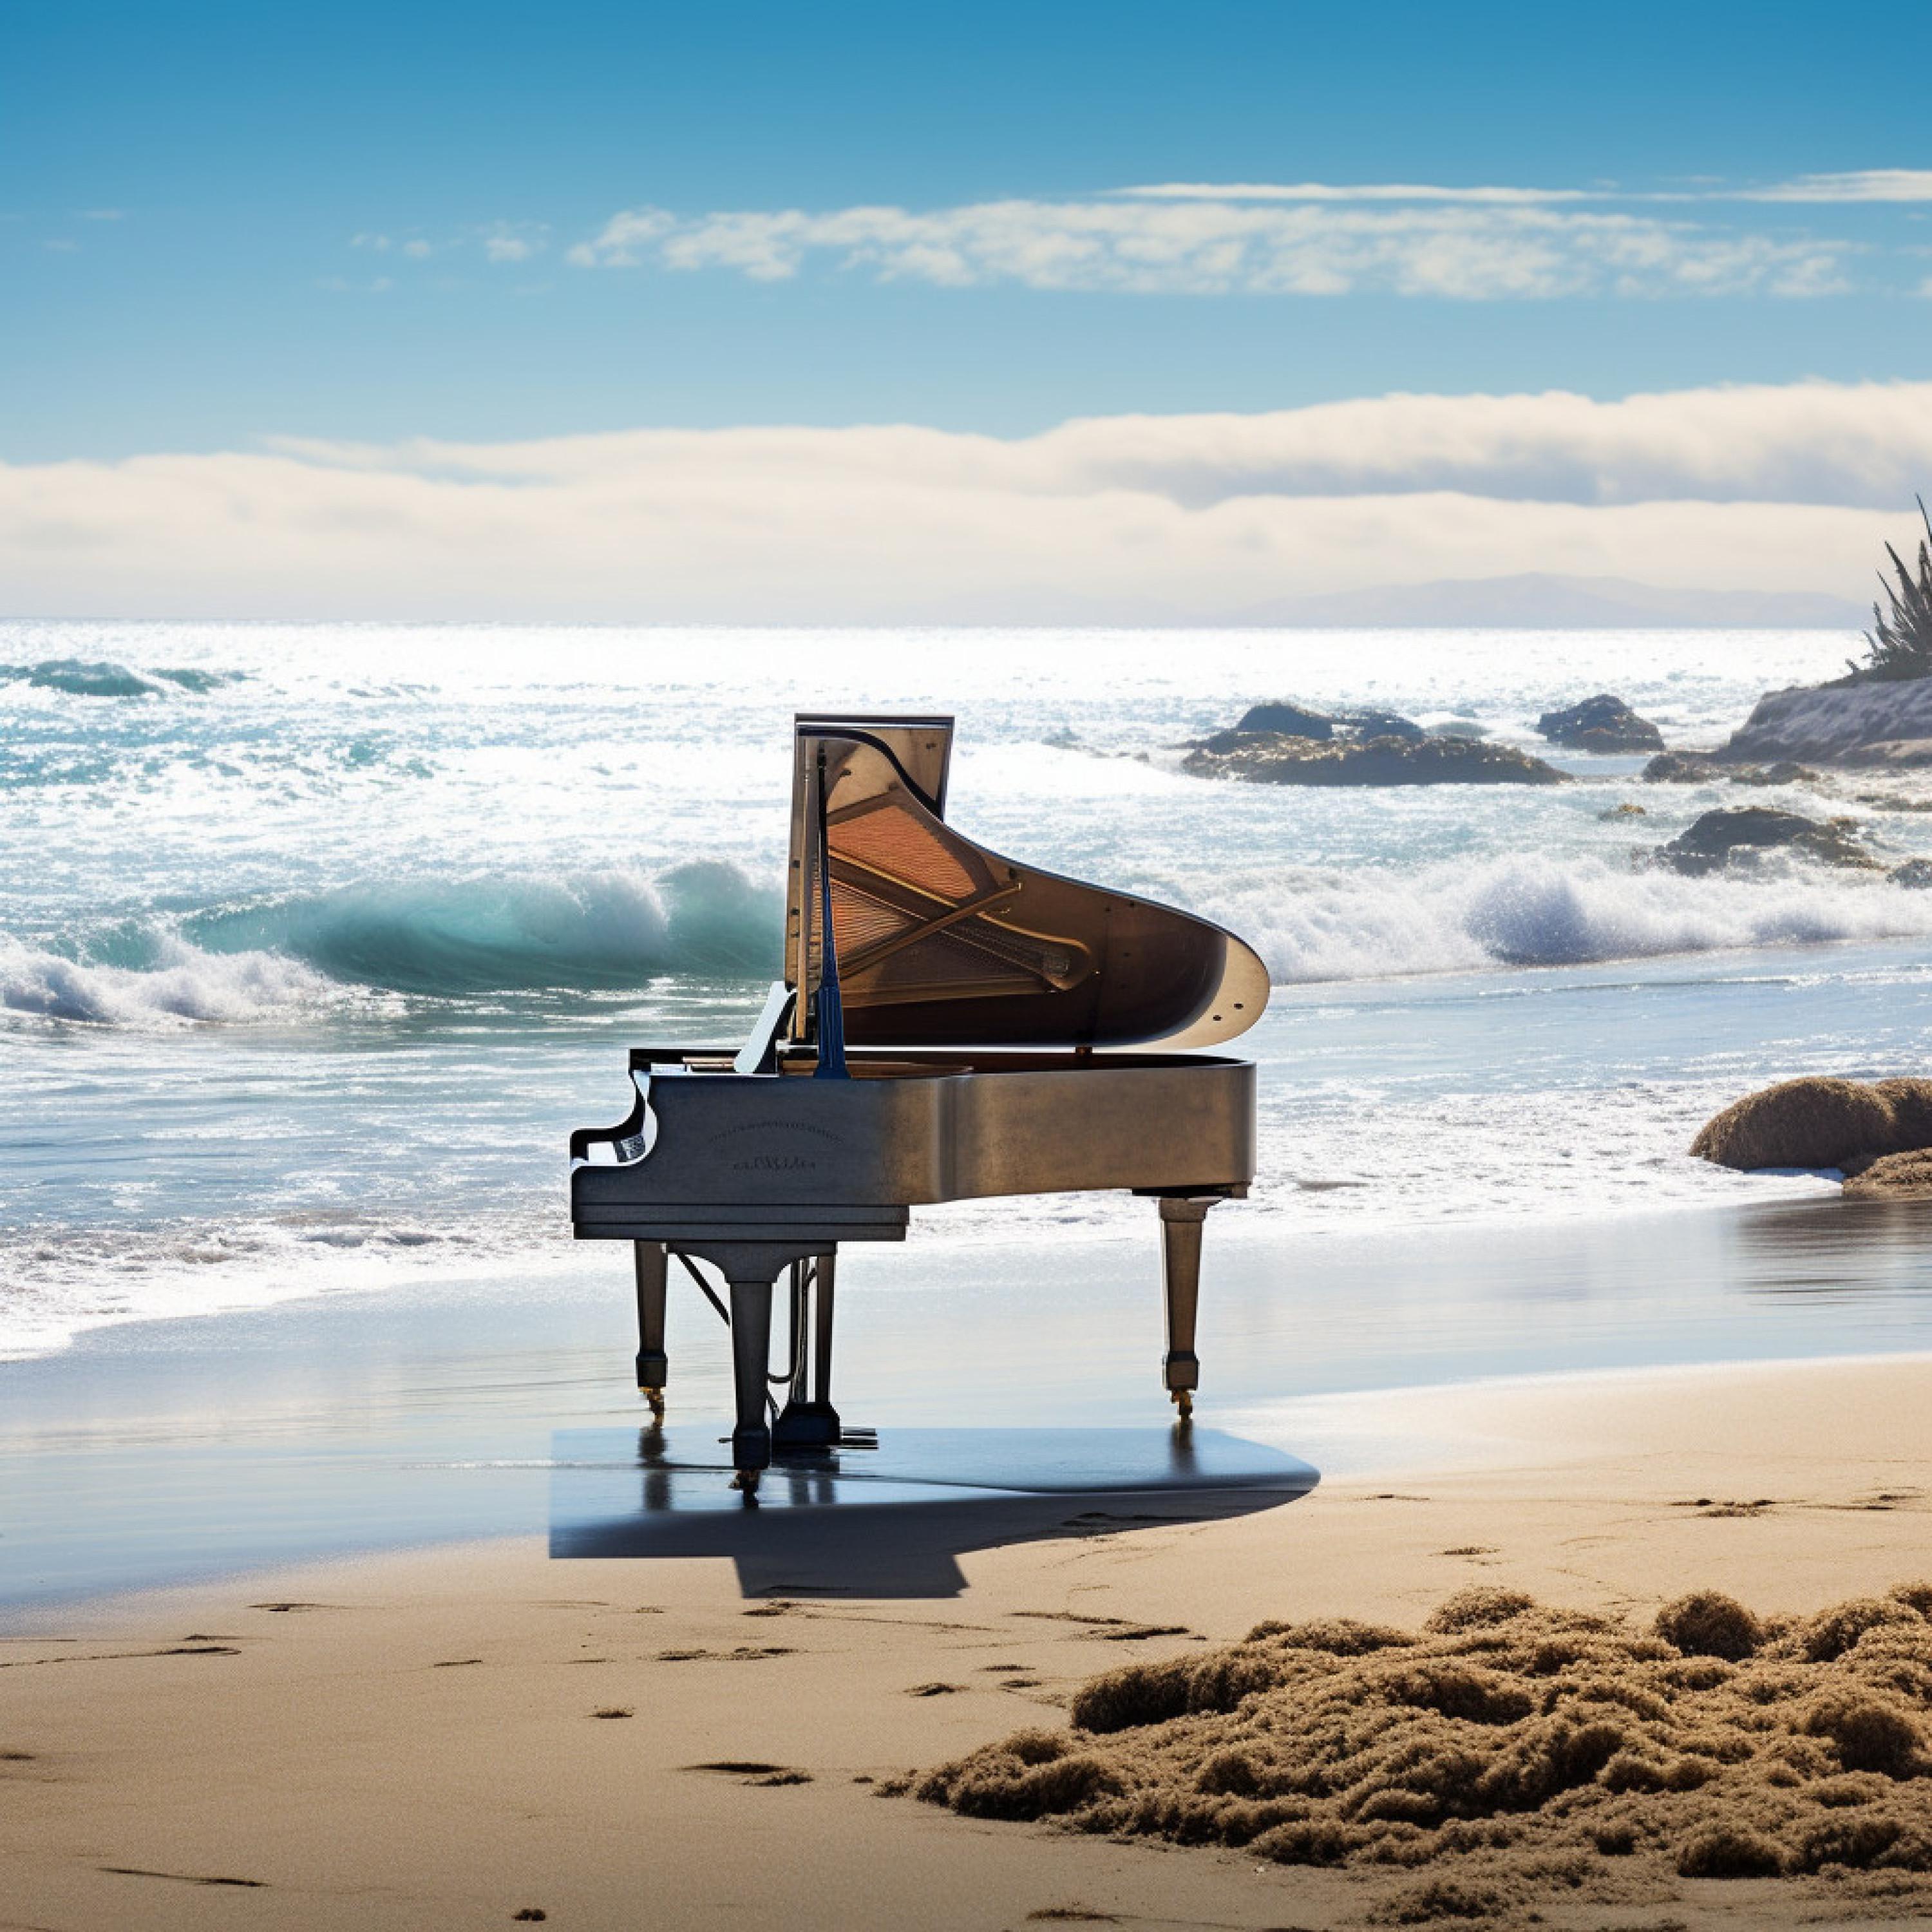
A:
753,1772
745,1653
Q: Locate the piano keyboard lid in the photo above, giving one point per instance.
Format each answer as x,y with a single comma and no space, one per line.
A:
939,942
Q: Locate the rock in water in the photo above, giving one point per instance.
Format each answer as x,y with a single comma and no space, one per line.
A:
1604,723
1915,875
1845,723
1820,1121
1268,758
1730,834
1682,768
1287,720
1283,717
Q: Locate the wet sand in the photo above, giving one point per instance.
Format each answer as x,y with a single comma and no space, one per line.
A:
414,1738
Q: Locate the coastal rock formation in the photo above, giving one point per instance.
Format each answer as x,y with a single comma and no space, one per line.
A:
1846,723
1604,723
1505,1744
1705,768
1736,835
1915,875
1270,758
1285,719
1820,1121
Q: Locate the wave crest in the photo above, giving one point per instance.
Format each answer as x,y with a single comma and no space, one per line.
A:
589,932
184,986
87,677
1465,917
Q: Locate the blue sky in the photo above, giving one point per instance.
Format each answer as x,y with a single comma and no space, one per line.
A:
1046,311
183,185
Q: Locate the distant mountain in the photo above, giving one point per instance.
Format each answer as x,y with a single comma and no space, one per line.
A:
1541,600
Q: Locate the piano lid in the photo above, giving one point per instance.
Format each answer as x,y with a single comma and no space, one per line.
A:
940,942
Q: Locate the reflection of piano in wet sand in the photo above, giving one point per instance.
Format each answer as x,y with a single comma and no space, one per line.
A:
950,1024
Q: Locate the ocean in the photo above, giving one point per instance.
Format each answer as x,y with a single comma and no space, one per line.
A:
315,940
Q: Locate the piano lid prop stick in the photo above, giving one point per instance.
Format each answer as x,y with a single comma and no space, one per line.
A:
830,1008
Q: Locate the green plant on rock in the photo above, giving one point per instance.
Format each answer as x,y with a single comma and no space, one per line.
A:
1901,647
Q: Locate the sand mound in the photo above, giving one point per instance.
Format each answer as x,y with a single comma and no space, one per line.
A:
1819,1122
1895,1176
1516,1751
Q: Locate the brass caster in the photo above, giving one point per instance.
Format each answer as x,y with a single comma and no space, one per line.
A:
746,1480
1183,1401
656,1397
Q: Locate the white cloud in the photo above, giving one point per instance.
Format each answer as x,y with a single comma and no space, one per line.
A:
1117,518
102,214
1864,185
1175,246
513,241
1357,191
417,250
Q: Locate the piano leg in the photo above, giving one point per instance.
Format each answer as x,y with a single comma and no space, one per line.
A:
811,1424
821,1339
751,1369
652,1369
1180,1219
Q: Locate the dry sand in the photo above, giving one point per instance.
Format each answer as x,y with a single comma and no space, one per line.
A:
450,1738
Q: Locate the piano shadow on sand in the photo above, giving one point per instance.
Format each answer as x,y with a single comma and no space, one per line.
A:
893,1521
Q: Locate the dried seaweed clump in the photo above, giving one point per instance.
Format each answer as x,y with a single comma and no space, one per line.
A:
1516,1751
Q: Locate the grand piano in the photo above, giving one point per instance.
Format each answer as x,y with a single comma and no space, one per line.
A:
951,1024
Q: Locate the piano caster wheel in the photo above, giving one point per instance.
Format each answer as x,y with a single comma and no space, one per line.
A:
656,1397
1184,1402
747,1481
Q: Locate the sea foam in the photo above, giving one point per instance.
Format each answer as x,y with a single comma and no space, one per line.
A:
1466,915
184,986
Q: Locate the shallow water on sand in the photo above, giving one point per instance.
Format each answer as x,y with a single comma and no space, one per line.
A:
363,1420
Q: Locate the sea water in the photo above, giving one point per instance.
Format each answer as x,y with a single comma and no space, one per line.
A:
315,940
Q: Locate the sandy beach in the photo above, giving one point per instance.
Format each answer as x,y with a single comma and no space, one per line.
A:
456,1737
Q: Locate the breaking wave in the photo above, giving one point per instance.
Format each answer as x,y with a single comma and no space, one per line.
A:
586,932
85,677
1465,916
616,931
593,932
182,986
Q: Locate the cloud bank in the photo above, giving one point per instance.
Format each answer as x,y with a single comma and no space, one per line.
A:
1126,518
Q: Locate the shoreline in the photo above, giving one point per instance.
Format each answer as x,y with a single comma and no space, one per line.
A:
150,1452
413,1737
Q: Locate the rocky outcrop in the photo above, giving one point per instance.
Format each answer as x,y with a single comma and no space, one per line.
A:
1604,723
1705,768
1915,875
1683,768
1285,719
1846,723
1736,836
1820,1121
1267,758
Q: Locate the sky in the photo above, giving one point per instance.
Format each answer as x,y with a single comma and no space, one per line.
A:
880,313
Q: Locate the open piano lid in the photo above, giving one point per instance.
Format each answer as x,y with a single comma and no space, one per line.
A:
940,942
